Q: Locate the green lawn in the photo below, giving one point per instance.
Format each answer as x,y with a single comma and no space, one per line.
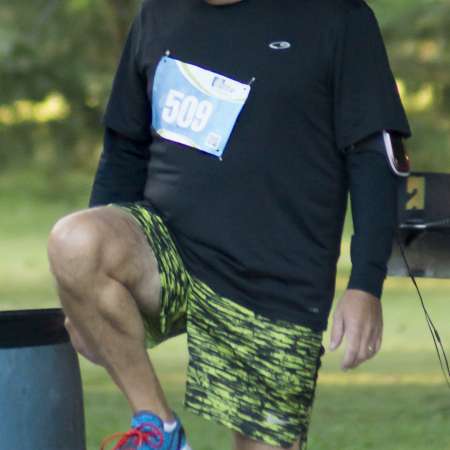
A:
398,401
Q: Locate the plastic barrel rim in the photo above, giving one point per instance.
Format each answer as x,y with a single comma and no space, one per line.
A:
29,328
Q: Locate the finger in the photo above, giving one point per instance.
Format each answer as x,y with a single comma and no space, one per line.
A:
337,332
351,351
374,343
379,341
350,357
367,347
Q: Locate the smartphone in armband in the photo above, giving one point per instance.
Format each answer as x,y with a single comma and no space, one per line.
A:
396,153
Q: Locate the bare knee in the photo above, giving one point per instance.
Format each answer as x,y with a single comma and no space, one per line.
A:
75,247
90,246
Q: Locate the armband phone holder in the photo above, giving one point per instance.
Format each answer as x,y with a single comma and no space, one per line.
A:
396,153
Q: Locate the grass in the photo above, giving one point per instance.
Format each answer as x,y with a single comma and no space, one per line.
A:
397,401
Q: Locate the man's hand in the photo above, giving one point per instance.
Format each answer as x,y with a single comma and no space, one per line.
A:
359,317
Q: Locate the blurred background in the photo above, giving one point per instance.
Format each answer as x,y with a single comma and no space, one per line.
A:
57,60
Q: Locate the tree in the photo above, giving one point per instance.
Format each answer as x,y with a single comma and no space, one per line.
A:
58,58
417,34
63,50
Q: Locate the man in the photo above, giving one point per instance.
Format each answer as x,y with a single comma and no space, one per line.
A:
233,134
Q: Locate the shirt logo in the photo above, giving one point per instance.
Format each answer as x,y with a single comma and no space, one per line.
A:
280,45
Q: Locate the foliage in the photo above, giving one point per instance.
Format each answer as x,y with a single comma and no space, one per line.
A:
417,34
69,48
64,53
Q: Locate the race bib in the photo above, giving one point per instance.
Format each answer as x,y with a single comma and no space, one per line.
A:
194,106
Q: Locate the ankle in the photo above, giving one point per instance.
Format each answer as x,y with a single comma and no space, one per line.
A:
166,415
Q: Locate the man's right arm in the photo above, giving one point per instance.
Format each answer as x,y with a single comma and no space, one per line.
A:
122,170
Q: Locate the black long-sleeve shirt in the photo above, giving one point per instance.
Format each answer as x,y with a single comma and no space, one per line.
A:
122,174
262,224
122,170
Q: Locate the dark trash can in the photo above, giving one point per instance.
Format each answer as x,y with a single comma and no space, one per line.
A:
41,402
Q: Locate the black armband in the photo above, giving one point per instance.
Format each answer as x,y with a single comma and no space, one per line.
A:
390,144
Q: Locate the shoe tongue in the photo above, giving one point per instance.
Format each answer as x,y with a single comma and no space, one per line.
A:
143,417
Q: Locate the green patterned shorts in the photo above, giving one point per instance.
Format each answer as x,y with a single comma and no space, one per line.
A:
252,374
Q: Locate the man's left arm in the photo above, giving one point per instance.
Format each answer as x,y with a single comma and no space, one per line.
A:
373,193
366,103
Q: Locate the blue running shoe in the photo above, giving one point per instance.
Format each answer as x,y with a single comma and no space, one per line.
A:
147,433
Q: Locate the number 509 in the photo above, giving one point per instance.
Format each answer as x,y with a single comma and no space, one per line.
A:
186,111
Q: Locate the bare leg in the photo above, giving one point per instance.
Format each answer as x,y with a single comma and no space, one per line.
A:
107,275
80,345
242,442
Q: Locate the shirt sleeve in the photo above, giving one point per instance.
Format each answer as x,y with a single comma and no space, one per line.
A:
366,98
128,111
373,195
122,170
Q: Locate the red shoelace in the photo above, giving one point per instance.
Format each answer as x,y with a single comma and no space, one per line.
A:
152,436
